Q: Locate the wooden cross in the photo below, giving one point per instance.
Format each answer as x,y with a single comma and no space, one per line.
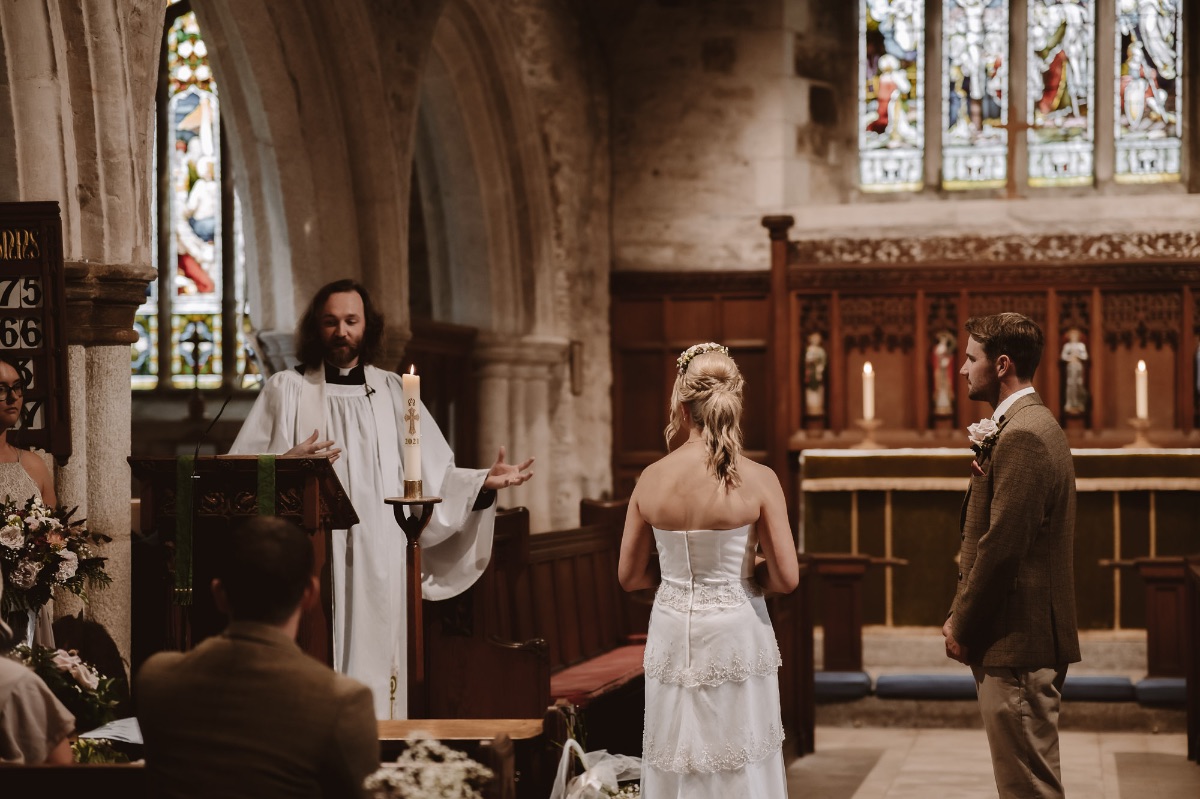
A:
412,417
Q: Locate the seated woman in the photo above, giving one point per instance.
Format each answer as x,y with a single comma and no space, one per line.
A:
22,473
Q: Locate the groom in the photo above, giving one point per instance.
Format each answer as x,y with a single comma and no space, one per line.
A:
1013,617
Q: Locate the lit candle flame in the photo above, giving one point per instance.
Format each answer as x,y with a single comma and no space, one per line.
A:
1141,366
867,368
412,368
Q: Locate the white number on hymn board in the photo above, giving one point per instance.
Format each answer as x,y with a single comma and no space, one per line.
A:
20,332
20,292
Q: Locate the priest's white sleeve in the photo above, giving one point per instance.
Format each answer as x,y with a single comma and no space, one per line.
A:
270,427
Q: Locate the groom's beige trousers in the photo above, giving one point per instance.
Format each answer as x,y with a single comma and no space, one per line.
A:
1020,714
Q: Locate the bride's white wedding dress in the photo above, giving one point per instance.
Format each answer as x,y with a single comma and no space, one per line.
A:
713,726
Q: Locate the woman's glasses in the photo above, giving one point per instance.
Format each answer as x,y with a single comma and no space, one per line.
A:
15,391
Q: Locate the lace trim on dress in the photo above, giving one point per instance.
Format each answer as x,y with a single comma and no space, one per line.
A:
733,669
707,761
703,596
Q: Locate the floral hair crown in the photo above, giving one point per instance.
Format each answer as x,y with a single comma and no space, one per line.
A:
698,349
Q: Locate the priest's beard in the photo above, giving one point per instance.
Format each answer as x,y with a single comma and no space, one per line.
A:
342,355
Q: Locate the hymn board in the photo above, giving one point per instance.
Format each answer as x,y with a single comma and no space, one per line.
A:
33,324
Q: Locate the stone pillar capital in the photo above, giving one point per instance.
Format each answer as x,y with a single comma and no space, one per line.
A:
102,300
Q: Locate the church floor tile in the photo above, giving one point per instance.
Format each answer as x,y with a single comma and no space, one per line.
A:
901,763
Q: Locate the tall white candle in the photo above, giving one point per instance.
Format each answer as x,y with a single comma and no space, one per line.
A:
1143,393
868,392
411,431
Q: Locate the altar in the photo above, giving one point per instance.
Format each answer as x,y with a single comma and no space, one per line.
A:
901,507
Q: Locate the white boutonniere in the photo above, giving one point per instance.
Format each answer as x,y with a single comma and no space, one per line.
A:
983,435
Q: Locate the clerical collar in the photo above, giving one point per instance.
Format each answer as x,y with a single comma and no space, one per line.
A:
354,376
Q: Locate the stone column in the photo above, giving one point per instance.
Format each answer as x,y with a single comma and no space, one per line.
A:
519,386
101,301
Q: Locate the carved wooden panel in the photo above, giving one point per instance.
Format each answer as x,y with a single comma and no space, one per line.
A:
1074,310
941,313
878,322
814,314
1015,249
1032,304
1142,318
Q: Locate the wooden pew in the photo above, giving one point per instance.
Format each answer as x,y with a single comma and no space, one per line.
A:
546,621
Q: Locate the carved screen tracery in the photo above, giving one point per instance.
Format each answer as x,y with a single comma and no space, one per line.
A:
876,323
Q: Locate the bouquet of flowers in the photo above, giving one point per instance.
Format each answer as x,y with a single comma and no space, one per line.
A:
428,769
89,695
42,549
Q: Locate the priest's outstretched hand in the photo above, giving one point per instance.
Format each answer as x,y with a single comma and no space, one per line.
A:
311,448
504,475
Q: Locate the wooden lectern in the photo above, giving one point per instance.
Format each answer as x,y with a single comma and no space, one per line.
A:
225,492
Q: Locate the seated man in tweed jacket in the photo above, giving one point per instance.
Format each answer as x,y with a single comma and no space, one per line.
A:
248,713
1013,616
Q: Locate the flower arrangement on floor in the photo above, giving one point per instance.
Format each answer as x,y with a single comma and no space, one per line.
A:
42,549
89,695
428,769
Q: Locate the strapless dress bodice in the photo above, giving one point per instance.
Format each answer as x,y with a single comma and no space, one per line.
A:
706,556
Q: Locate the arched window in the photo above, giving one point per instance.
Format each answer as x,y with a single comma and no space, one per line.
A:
1064,62
192,327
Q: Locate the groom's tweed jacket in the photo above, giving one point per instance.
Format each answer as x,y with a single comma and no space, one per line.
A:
1015,604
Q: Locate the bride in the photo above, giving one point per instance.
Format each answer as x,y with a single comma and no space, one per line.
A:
719,523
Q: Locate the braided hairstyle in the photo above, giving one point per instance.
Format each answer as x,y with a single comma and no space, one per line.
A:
709,387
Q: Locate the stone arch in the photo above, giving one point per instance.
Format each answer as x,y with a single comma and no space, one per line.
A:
320,118
483,179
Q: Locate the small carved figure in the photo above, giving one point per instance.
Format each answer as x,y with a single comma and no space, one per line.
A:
815,361
1074,354
943,369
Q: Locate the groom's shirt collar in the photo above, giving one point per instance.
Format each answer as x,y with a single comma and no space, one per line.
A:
1003,407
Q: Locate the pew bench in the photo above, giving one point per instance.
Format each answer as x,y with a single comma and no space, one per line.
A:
547,621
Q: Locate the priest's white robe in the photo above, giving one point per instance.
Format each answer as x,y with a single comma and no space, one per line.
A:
369,618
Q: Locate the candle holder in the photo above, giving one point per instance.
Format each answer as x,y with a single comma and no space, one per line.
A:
413,525
869,426
1140,426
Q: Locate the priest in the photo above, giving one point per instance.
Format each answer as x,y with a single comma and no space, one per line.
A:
337,404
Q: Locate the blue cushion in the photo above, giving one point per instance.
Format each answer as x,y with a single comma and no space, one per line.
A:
1162,691
1101,688
833,686
925,686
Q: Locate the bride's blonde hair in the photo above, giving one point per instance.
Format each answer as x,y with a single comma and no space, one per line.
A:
709,385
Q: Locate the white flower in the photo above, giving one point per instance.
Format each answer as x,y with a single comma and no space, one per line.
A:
68,566
12,536
983,436
65,661
70,662
86,676
25,575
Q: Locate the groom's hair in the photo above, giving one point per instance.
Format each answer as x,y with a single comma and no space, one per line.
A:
1011,334
267,566
310,349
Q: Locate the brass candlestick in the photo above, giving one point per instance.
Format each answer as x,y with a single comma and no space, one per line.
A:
413,523
1140,426
869,426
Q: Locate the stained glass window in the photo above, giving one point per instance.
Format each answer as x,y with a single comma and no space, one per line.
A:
182,325
974,93
1061,90
891,95
1149,59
